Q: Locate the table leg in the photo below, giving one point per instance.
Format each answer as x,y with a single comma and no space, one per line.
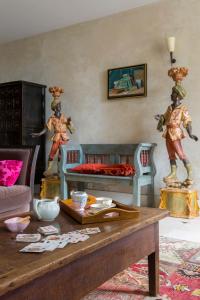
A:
153,266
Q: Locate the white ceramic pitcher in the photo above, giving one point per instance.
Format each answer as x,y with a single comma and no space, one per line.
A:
46,209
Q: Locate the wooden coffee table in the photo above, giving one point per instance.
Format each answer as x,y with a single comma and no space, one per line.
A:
72,272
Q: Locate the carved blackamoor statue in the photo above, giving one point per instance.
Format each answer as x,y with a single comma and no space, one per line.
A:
58,123
173,119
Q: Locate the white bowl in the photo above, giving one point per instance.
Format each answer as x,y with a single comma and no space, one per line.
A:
15,225
99,206
104,201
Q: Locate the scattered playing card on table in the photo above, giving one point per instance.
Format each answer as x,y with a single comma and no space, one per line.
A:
34,247
62,244
51,245
93,230
28,238
53,237
62,239
84,237
48,230
75,237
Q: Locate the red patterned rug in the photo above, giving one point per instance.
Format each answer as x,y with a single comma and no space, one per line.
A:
179,276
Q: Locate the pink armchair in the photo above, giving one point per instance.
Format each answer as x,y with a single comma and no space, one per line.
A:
16,199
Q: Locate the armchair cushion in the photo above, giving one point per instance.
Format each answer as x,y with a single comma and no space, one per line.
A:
14,197
9,171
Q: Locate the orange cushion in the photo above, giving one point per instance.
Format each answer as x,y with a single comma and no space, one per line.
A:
88,168
118,170
102,169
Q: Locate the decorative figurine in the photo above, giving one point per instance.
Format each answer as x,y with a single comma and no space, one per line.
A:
57,123
176,115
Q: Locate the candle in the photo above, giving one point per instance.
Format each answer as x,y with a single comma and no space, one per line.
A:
171,43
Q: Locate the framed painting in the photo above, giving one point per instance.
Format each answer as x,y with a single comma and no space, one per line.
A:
127,82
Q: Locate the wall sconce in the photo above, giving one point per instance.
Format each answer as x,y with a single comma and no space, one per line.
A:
171,46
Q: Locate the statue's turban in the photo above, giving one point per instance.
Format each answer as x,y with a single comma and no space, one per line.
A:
180,91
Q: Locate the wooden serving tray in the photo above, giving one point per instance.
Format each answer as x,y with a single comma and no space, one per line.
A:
120,212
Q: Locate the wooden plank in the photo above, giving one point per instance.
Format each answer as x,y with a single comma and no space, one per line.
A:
97,178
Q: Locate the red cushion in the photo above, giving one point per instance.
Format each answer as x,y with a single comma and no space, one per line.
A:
9,171
88,168
102,169
118,170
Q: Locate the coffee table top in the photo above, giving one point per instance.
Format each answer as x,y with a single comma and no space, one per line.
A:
18,268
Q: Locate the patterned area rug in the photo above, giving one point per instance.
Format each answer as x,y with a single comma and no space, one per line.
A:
179,276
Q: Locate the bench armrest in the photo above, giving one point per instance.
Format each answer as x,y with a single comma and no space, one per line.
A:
143,159
71,156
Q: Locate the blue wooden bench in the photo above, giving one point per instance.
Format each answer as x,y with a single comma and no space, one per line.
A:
139,155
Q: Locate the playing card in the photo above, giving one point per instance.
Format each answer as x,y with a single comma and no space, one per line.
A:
50,245
75,237
74,240
52,237
90,230
84,237
34,247
63,243
93,230
28,238
48,230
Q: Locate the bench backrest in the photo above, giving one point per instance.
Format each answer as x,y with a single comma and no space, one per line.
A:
109,153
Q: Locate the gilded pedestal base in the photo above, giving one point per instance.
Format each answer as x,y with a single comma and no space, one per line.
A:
50,188
181,203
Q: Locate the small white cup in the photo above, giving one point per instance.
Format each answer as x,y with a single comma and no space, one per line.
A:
79,199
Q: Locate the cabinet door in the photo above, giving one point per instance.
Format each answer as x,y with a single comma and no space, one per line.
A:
10,115
33,112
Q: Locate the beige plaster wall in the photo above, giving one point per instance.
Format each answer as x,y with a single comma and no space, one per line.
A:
77,58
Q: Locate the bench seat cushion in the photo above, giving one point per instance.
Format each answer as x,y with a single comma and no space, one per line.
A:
14,197
103,169
88,168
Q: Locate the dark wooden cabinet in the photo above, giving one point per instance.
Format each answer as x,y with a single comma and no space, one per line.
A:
22,111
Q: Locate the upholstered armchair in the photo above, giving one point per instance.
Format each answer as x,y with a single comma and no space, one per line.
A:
16,199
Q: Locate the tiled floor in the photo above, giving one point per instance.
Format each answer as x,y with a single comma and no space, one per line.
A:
183,229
